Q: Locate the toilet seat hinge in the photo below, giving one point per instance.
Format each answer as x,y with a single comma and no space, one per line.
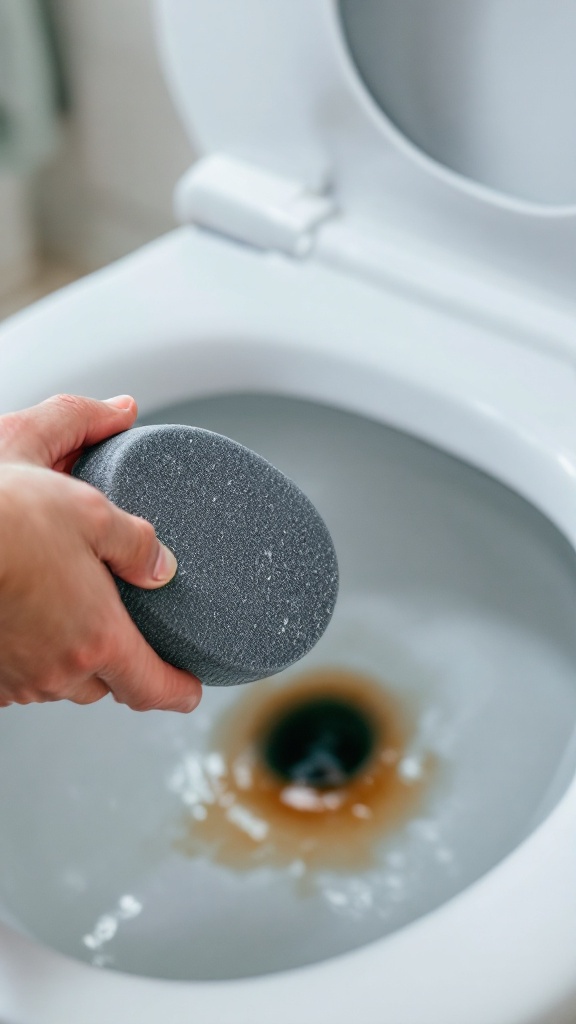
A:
251,205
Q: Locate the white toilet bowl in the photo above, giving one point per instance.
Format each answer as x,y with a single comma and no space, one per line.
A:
437,437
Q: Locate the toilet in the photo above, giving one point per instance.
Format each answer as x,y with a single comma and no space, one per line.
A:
376,293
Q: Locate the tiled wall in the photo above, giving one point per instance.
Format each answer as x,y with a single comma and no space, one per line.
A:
110,189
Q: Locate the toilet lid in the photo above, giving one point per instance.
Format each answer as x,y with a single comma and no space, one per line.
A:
254,79
285,86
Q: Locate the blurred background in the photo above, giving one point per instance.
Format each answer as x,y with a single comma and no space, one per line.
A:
90,144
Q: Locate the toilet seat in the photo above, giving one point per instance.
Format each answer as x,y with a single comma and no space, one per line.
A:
185,315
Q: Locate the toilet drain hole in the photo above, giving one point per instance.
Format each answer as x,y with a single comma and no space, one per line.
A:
323,743
305,774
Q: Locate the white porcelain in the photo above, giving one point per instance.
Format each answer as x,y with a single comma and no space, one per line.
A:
487,89
387,320
176,308
300,108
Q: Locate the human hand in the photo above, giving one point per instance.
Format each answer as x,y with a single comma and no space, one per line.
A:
64,632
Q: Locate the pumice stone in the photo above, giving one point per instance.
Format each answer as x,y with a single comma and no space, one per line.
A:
257,575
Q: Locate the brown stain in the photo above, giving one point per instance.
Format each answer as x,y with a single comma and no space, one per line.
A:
253,818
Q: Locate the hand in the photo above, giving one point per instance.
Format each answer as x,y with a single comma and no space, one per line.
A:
64,632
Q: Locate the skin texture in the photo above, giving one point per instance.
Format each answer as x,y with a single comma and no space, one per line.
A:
64,632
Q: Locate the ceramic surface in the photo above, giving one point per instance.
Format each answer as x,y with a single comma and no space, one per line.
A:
497,405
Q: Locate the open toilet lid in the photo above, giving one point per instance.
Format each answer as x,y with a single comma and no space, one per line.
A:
276,86
248,78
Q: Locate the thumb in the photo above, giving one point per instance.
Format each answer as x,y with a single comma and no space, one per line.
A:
47,433
130,547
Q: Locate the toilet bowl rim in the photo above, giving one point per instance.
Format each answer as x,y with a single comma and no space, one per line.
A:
196,301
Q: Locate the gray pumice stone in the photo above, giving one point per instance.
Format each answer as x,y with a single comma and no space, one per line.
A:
257,575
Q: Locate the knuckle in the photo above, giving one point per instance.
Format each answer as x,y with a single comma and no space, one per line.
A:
96,506
55,682
145,702
69,403
27,696
49,689
146,535
83,700
91,692
164,700
83,659
140,550
10,424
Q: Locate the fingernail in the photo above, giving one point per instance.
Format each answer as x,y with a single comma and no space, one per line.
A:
123,402
192,703
166,565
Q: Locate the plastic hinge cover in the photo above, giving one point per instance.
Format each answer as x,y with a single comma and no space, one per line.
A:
251,205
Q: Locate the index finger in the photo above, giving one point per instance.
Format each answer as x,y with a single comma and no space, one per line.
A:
48,433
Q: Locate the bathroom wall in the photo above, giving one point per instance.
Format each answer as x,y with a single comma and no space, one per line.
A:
18,240
28,134
110,189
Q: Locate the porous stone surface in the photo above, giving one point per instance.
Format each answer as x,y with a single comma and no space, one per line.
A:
257,575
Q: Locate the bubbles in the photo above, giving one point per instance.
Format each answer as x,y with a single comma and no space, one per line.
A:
106,928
